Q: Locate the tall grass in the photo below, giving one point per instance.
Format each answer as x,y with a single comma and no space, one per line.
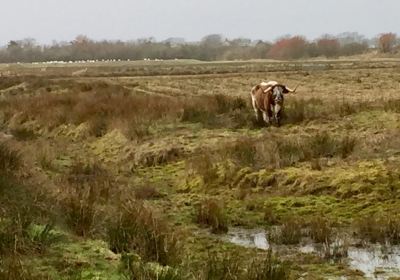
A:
227,266
392,105
203,166
98,107
379,228
102,105
137,228
20,207
23,134
320,230
10,159
268,267
211,213
147,192
85,188
280,151
138,270
290,231
224,266
299,110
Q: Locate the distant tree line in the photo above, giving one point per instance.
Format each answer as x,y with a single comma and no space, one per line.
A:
211,47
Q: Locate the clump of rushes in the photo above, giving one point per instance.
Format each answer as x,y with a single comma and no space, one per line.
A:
379,228
290,232
137,228
320,230
211,213
86,186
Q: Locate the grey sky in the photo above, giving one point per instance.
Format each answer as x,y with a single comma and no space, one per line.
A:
46,20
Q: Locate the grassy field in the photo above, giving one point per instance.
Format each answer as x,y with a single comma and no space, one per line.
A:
136,170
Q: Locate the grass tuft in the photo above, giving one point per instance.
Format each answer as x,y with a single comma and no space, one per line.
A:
290,231
211,213
137,228
86,186
147,192
10,159
379,228
320,230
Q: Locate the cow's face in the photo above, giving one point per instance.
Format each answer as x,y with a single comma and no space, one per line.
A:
277,96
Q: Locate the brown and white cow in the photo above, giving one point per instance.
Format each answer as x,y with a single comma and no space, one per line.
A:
267,99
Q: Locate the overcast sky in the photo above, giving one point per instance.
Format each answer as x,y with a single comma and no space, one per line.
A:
62,20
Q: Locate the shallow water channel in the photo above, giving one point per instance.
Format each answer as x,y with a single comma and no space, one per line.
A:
375,261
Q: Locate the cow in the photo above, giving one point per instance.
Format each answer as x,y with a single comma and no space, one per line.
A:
267,100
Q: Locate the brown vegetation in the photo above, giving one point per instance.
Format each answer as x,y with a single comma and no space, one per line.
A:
379,228
211,213
72,150
320,230
147,192
137,228
387,42
86,187
230,267
290,231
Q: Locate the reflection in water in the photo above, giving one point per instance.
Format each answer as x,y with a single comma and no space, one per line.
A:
256,238
376,262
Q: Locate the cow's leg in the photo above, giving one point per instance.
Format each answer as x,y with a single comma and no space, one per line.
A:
278,119
256,110
269,114
277,113
266,117
257,114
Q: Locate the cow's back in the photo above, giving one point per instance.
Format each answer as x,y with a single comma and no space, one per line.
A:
261,98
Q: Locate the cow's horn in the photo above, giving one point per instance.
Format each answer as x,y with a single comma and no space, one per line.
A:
291,90
268,89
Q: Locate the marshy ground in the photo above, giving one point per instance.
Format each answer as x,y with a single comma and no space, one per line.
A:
138,170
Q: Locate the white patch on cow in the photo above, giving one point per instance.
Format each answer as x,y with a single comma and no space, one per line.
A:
265,117
268,84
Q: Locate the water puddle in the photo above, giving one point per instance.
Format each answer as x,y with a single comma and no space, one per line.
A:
375,261
253,238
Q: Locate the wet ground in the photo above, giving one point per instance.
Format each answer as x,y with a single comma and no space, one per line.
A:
375,261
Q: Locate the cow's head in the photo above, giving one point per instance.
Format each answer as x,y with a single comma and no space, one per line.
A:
277,91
